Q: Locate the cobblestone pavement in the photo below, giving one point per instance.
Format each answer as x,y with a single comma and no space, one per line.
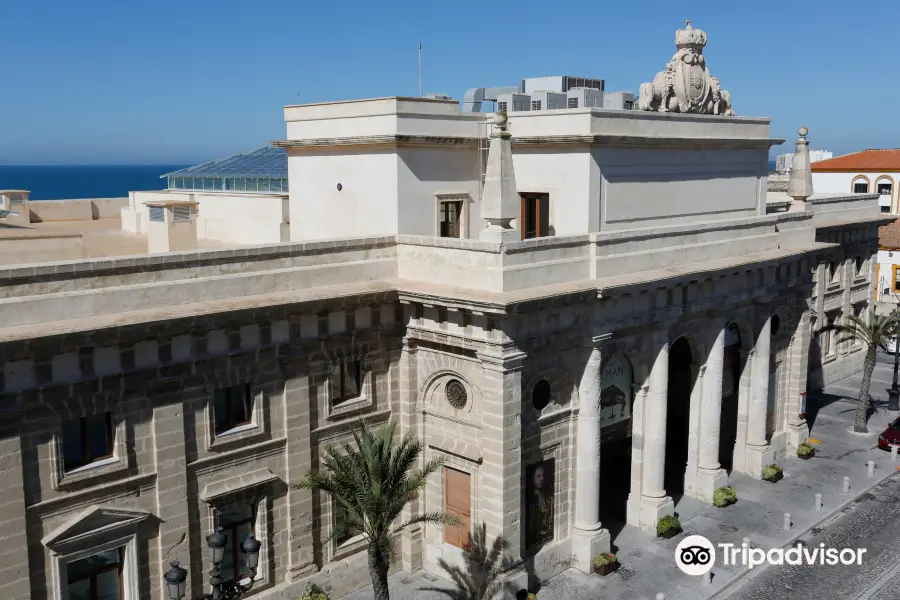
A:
648,565
872,523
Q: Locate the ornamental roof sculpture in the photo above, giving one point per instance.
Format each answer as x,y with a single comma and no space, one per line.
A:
686,85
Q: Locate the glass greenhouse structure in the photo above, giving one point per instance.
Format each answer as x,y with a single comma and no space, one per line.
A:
263,170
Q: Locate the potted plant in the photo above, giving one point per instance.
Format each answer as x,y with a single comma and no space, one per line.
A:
772,473
806,451
668,526
605,563
313,592
724,496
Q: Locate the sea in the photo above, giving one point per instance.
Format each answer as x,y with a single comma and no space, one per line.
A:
55,182
48,182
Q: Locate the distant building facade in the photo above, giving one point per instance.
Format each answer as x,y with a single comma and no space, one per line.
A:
783,162
866,172
574,280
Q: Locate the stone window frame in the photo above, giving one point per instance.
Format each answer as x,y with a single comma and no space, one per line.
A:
465,200
349,547
538,455
861,273
256,428
94,543
116,463
261,496
833,276
832,350
366,398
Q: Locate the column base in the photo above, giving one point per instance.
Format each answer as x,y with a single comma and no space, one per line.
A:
757,458
708,481
586,545
411,544
644,511
797,433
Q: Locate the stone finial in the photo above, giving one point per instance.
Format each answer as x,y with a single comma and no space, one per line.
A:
686,85
800,186
500,202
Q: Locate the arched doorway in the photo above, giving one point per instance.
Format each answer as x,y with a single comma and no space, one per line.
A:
616,397
731,380
682,376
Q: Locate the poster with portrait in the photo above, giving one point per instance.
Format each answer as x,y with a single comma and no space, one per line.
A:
539,487
616,379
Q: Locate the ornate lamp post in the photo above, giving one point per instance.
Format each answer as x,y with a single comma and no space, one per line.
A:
176,577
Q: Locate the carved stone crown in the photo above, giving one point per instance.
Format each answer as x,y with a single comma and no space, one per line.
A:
690,38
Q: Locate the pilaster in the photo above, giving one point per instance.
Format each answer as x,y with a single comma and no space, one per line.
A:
15,582
710,475
412,538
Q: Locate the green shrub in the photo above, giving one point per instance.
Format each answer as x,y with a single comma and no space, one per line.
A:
667,523
606,558
313,592
724,496
805,449
532,596
771,472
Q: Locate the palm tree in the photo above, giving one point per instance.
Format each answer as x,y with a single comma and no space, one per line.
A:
369,485
874,332
480,579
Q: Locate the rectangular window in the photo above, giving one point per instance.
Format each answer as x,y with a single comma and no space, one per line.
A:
232,407
207,183
861,188
97,577
87,440
573,103
237,525
834,272
284,186
884,189
535,216
450,212
240,184
217,183
181,213
346,381
827,345
501,106
535,105
885,209
251,185
275,185
346,531
263,185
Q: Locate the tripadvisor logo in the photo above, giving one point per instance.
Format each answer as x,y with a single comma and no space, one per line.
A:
696,555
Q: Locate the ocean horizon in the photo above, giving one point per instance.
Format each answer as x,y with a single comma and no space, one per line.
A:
63,182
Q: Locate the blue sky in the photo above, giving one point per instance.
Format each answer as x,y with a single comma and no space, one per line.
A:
103,82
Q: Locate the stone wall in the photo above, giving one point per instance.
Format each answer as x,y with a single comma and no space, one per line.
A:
81,209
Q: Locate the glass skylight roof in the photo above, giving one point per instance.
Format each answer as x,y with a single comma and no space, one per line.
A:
266,163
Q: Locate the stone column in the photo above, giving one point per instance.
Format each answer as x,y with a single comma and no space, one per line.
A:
797,430
14,556
172,507
758,451
653,502
502,450
589,537
298,460
710,475
411,541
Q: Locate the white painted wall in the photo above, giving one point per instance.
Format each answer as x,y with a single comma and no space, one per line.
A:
842,183
366,205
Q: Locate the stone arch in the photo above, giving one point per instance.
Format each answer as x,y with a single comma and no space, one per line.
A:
736,380
783,330
639,365
860,179
431,393
698,348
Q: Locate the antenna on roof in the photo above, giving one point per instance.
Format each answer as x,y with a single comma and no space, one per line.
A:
420,69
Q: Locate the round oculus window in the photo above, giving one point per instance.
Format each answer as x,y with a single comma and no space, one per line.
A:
540,397
456,394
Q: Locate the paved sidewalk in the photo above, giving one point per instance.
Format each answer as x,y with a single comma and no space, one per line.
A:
648,565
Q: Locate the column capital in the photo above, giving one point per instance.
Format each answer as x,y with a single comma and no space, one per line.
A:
596,341
502,359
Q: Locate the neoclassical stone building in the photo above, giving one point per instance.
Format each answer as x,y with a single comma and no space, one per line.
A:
588,315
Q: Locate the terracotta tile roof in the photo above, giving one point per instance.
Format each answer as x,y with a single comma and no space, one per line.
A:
889,236
867,161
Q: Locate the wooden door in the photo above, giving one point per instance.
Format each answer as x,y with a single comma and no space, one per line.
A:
457,501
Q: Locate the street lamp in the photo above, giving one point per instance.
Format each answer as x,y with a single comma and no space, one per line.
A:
176,576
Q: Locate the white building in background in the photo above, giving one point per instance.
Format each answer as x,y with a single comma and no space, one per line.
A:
866,172
783,162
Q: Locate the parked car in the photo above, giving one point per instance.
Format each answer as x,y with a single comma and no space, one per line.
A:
890,436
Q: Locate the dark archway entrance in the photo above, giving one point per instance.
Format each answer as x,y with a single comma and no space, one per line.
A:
616,396
731,385
682,376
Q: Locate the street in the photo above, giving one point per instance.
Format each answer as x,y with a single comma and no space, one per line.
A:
872,523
